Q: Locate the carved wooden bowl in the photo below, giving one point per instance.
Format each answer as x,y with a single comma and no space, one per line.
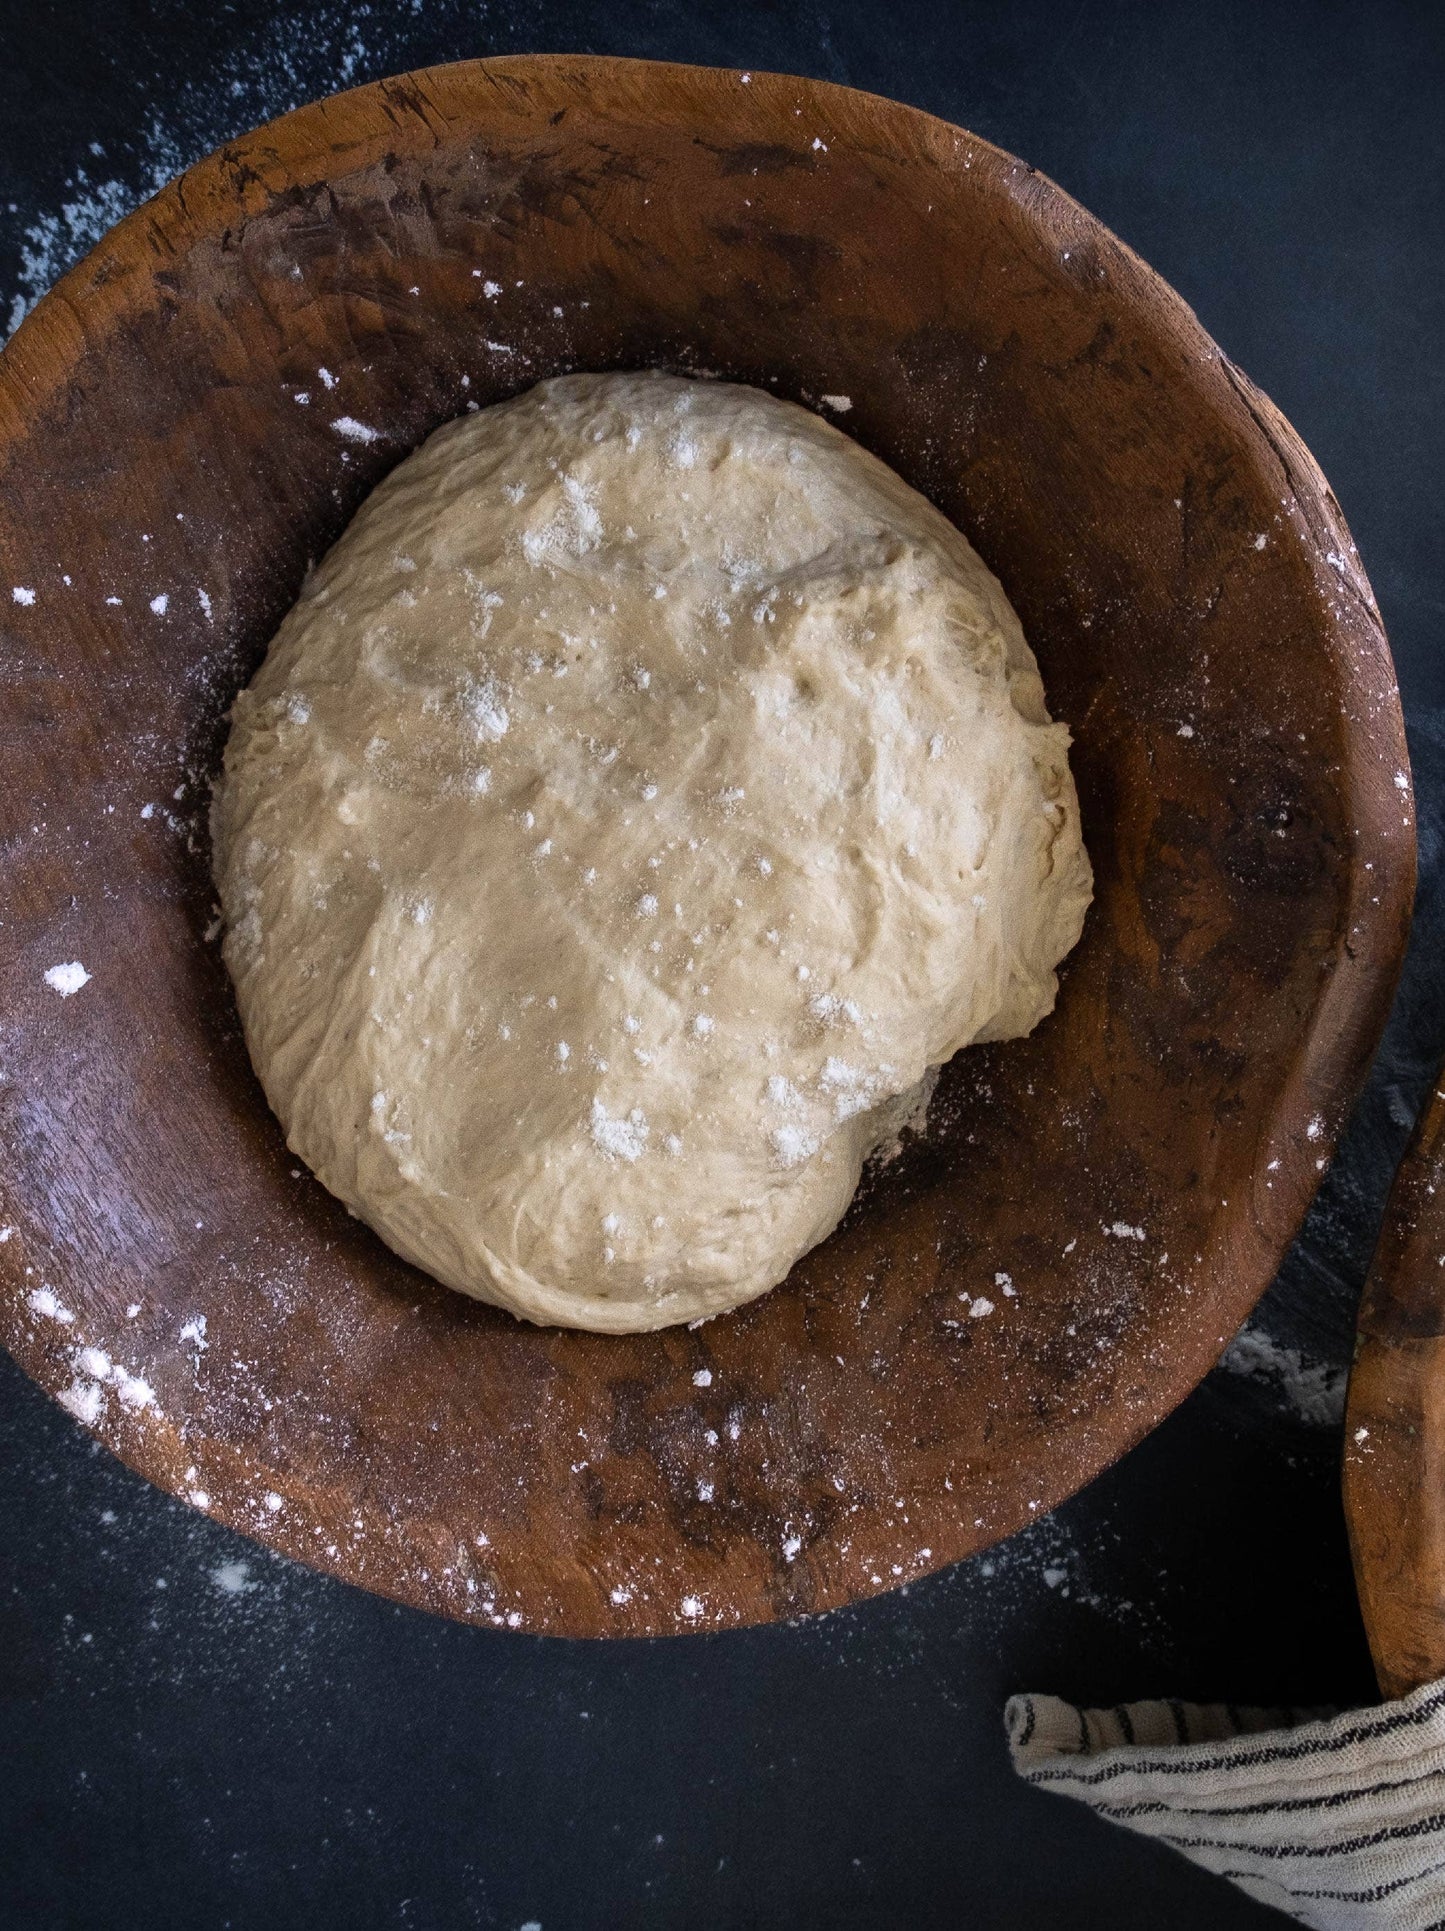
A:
193,415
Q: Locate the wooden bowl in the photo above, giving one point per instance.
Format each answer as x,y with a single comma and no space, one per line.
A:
1394,1466
194,413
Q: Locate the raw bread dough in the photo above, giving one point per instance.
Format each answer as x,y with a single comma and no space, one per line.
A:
645,793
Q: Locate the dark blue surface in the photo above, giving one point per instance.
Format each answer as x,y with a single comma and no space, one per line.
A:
188,1743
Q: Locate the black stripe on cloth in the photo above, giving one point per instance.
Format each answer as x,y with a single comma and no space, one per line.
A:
1245,1759
1332,1801
1375,1895
1347,1846
1124,1720
1083,1733
1029,1723
1181,1727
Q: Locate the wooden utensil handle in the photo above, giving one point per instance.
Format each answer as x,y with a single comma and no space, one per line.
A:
1394,1468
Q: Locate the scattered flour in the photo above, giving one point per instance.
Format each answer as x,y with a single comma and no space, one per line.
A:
95,1371
84,1399
134,1392
1315,1391
621,1138
792,1144
354,431
233,1578
96,1364
67,979
42,1301
273,67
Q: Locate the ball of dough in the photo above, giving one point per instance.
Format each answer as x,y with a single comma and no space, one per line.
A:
646,792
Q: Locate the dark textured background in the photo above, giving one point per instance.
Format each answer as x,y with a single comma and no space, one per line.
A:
196,1734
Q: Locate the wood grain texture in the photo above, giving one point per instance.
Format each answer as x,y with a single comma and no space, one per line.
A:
1394,1472
1135,1169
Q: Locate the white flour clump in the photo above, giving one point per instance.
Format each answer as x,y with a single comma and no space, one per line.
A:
67,979
722,770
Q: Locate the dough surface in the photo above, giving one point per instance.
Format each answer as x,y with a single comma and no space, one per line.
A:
645,793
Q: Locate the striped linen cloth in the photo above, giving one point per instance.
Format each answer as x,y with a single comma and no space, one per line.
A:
1337,1820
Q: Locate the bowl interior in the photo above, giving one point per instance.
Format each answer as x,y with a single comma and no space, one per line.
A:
192,418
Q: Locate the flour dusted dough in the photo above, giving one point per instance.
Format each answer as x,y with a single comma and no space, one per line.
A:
646,792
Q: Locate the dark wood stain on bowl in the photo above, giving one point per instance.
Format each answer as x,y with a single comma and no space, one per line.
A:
1133,1171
